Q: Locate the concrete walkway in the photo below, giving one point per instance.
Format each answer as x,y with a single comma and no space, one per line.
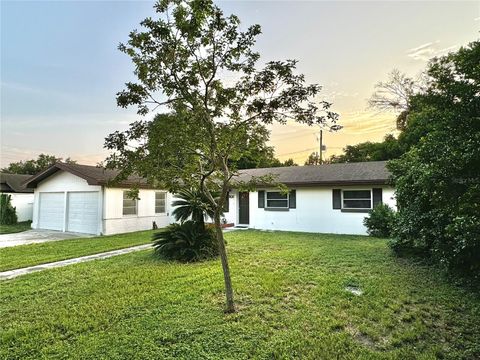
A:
37,236
10,274
235,228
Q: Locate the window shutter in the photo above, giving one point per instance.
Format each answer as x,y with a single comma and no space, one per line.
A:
261,198
377,196
292,199
337,198
226,205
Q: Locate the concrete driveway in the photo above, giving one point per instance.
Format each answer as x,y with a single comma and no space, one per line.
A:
37,236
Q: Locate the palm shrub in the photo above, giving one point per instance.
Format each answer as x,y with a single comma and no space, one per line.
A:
191,204
381,221
189,241
8,215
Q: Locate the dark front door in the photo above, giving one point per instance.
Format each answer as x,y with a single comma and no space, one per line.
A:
244,208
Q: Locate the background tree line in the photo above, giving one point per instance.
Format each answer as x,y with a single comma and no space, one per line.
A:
34,166
257,155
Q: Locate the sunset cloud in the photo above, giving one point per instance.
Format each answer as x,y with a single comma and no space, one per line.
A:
429,50
62,100
423,52
298,141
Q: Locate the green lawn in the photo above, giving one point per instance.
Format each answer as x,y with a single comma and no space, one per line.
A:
35,254
291,298
18,227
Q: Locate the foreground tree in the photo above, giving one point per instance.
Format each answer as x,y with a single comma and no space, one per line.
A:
197,63
437,180
34,166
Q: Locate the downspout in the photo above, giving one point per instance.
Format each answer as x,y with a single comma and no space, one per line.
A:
65,208
102,212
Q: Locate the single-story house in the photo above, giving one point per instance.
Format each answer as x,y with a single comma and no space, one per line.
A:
21,197
81,198
330,198
333,198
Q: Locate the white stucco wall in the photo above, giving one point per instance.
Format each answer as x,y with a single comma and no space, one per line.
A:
389,197
231,215
63,181
23,204
114,220
313,213
111,218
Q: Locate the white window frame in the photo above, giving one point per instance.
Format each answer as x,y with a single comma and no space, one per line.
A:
123,206
164,202
350,208
276,207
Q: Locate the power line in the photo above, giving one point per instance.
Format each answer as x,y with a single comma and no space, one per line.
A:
313,148
296,152
291,136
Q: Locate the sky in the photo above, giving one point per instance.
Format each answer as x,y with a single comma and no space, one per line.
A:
60,67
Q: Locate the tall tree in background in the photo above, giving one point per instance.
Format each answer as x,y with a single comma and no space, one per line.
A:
394,95
34,166
313,159
288,162
389,148
257,154
182,60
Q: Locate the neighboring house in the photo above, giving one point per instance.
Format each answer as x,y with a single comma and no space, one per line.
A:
81,198
22,197
331,198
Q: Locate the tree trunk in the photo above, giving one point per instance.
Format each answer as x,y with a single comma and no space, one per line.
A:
226,270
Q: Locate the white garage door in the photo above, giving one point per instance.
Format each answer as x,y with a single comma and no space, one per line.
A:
51,211
82,212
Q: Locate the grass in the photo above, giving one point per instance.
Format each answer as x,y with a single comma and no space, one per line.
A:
15,228
34,254
290,294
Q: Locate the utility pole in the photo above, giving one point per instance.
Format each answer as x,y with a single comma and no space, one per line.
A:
320,153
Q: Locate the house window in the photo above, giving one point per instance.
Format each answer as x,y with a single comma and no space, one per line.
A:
276,199
356,199
129,205
160,198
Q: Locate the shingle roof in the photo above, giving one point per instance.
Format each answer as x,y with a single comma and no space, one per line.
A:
94,175
14,183
373,172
